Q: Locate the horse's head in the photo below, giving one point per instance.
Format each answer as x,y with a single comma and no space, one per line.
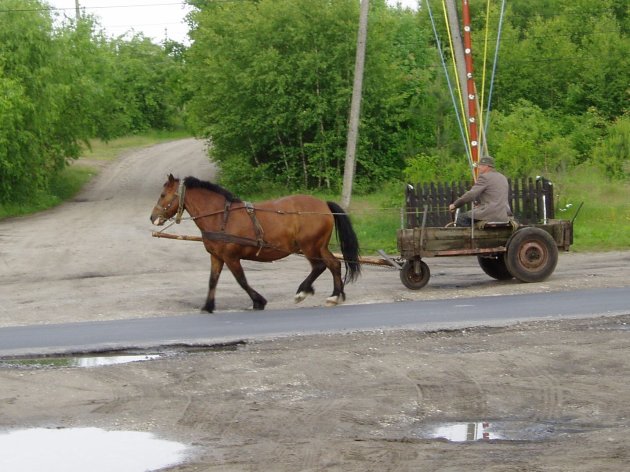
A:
169,202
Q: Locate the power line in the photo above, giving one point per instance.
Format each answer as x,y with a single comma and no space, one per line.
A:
107,7
140,5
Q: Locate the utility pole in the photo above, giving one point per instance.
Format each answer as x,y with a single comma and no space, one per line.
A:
458,46
355,107
77,9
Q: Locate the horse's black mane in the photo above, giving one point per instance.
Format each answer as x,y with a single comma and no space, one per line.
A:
193,182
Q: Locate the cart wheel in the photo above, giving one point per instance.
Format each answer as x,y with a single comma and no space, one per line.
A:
531,255
411,279
495,266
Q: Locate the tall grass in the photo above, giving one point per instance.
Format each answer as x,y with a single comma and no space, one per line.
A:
62,187
603,222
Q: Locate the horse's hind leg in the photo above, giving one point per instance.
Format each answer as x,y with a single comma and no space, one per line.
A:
237,270
333,264
216,266
306,287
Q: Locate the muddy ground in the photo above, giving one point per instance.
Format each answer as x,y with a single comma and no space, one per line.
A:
555,394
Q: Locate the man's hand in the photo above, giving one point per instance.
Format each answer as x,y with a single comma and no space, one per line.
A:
451,208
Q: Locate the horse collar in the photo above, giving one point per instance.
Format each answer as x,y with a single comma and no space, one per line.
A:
181,192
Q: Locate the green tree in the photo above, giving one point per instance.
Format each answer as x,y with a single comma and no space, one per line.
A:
562,79
272,86
63,85
613,152
33,143
527,141
602,79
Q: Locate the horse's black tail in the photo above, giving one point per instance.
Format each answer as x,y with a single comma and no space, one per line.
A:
347,240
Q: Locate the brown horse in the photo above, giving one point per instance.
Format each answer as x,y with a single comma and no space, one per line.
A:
266,231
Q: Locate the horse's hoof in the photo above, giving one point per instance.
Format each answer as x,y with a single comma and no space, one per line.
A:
332,301
260,305
300,296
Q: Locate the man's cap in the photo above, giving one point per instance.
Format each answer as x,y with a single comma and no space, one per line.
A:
486,161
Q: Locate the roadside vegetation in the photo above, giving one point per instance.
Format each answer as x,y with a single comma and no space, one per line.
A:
270,83
65,184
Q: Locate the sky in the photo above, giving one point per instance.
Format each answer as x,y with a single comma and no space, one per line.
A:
156,19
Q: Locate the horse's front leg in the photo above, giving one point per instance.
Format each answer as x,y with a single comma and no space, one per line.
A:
216,266
237,270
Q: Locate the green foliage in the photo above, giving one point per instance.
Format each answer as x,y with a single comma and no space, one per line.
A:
603,222
613,152
569,56
144,88
68,182
61,86
62,186
528,140
435,168
32,138
273,82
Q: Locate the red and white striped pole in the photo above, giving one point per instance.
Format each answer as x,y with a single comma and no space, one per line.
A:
470,87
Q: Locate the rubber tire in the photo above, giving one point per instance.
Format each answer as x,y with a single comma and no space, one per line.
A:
495,266
531,255
410,279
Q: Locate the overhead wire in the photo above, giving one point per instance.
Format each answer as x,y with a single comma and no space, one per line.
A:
459,110
448,81
461,115
494,65
482,135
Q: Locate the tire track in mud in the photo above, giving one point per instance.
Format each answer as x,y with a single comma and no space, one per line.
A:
129,394
222,416
543,387
457,391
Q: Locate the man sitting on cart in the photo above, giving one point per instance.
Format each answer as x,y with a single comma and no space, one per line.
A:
489,196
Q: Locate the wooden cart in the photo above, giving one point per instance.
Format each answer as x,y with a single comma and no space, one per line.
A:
528,253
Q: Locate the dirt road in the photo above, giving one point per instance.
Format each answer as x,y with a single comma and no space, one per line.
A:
554,394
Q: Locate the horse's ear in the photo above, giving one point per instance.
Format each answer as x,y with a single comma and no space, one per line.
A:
171,179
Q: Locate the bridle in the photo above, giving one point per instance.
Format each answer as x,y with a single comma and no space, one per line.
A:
181,192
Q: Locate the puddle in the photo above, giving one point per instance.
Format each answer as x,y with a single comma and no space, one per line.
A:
461,432
80,361
114,357
486,431
81,449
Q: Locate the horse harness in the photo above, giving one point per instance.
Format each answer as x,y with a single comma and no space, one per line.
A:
181,191
221,235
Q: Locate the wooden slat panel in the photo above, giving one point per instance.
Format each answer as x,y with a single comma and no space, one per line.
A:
531,201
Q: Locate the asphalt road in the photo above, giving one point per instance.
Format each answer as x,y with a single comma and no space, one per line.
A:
204,329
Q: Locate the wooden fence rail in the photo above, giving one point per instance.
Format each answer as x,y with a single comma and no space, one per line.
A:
531,201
